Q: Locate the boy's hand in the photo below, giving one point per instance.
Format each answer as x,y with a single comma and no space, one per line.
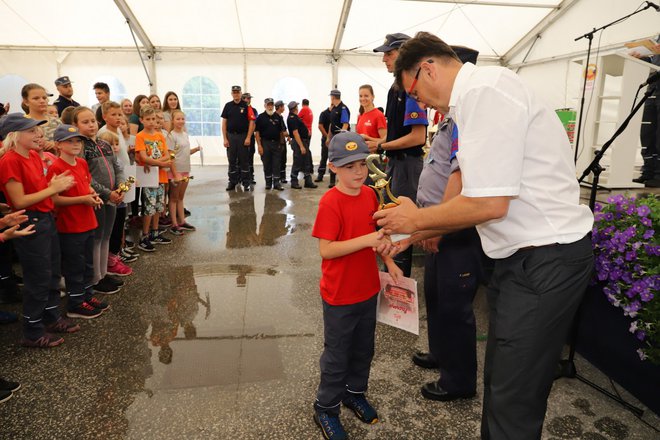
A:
395,271
13,219
147,169
430,245
13,232
164,163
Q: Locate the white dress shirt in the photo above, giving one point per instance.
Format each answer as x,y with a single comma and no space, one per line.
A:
513,145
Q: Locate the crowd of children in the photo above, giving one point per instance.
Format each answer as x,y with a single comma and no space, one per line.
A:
64,214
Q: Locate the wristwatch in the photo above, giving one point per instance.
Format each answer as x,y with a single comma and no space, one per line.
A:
380,149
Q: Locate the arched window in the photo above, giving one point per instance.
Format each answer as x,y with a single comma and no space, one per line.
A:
200,101
117,89
10,91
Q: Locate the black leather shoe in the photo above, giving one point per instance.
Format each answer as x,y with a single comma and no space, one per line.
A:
433,391
424,360
295,185
231,187
640,179
319,179
653,183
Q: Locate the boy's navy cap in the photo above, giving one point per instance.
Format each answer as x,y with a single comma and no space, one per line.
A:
465,54
235,88
279,102
269,101
392,41
335,92
64,132
347,147
17,122
62,81
292,105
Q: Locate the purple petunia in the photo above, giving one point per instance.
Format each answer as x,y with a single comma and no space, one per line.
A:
643,211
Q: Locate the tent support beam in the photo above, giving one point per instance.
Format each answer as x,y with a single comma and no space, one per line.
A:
537,30
487,3
339,36
137,28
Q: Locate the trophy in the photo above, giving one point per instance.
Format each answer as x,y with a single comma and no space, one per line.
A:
172,156
125,186
382,186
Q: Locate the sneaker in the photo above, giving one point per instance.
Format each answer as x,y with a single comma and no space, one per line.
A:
187,227
125,258
98,304
186,213
129,245
330,425
165,221
113,280
62,325
145,245
84,311
159,239
362,408
130,252
176,230
6,385
5,395
117,268
106,287
46,341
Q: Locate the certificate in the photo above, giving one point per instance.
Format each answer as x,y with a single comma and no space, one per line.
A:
398,304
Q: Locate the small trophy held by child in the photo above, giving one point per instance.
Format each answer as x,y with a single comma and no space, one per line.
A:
124,187
382,187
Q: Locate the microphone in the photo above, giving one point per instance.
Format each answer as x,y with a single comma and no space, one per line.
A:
654,77
654,6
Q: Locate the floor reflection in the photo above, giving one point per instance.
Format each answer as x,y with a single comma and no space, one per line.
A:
242,229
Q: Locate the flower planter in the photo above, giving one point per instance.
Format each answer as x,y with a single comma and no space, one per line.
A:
605,341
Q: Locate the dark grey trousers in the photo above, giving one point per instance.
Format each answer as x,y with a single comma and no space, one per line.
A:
533,297
271,159
238,156
78,266
301,161
348,348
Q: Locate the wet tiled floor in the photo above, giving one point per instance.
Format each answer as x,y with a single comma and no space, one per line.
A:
218,336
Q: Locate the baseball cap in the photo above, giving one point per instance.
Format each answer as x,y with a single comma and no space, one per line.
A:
335,92
279,102
392,41
62,81
268,101
64,132
17,122
292,105
347,147
246,95
235,88
465,54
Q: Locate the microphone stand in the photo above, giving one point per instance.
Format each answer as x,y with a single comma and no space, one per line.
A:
567,366
590,37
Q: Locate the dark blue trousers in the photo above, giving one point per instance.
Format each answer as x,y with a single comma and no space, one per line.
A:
78,266
39,255
451,279
348,348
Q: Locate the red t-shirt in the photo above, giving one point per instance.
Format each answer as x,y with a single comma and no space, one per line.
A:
30,172
73,219
369,123
307,117
352,278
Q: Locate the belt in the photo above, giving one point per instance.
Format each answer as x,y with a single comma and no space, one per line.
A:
527,248
401,155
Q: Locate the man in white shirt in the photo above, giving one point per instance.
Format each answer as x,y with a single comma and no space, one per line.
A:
519,189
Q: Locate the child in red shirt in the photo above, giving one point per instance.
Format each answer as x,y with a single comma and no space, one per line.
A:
75,224
349,286
24,183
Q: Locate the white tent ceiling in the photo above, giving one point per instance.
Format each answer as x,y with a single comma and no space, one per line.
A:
265,25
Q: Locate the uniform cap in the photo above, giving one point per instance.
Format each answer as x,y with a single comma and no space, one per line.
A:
235,88
292,105
335,92
392,41
62,81
269,101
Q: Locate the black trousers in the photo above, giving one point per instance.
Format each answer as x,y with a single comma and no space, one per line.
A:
283,163
324,158
78,266
118,230
451,279
300,161
533,297
348,348
39,254
271,159
238,156
650,136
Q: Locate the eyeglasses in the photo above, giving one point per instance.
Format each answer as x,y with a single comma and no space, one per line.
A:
414,83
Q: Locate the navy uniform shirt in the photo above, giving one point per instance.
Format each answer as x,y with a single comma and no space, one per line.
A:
238,116
324,119
269,127
439,163
339,115
402,114
63,102
295,123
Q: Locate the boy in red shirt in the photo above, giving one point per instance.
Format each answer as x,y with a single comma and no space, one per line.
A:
349,286
75,223
151,150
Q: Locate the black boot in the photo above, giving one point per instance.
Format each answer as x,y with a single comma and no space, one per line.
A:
231,186
277,185
332,180
309,183
295,184
269,183
319,178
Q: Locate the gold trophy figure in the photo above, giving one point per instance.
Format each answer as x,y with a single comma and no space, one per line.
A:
382,187
125,186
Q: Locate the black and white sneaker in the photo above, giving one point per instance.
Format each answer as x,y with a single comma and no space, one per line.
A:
106,287
146,246
5,395
160,239
7,385
125,258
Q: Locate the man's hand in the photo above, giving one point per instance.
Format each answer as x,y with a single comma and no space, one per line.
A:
226,143
373,146
398,220
430,245
246,142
